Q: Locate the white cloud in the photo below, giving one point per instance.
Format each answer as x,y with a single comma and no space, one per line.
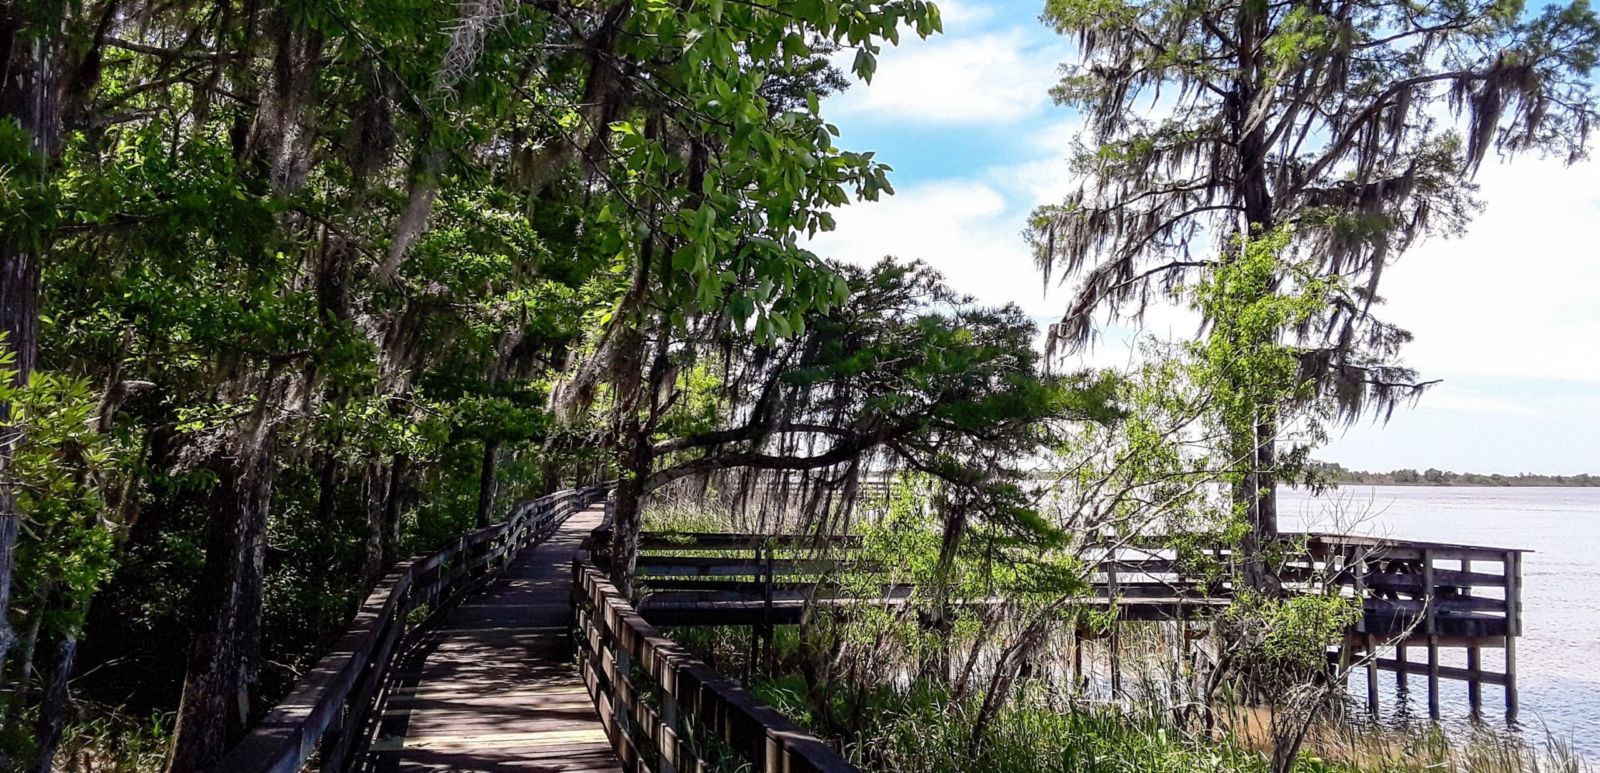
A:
971,230
987,78
1519,295
960,15
964,228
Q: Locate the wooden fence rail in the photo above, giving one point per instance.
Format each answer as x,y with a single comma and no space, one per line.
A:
330,709
664,710
1412,594
1453,590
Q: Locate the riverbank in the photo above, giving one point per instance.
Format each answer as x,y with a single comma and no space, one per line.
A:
1336,473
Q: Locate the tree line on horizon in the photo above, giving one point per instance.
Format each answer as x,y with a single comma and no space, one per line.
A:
1337,473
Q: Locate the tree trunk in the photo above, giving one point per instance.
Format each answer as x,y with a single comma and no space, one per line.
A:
1260,215
278,135
1266,521
214,709
628,509
413,220
29,648
54,706
487,483
955,530
28,95
328,488
375,496
549,473
401,493
625,530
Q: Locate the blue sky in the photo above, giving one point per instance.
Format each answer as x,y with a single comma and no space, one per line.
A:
1508,316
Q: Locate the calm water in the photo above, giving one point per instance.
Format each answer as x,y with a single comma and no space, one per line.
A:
1558,655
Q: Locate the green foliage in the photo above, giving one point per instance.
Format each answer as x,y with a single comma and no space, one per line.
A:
117,743
922,730
1193,409
371,254
907,539
58,472
1285,641
1249,372
736,208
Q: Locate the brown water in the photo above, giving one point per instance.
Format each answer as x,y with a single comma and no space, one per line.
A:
1558,656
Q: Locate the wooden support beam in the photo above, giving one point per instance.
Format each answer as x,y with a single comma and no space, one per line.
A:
1433,677
1400,672
1115,656
1474,661
1402,667
1474,681
1372,675
1079,679
1511,679
1430,627
1513,570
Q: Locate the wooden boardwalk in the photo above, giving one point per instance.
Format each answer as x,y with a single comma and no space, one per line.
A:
493,686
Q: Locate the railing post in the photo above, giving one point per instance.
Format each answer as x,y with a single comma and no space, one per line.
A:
1430,594
1512,566
1474,662
774,755
667,746
621,688
333,740
1114,639
766,615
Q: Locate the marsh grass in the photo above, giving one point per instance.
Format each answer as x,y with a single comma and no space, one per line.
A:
1361,744
918,731
101,741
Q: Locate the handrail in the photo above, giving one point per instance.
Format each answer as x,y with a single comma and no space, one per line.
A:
1398,582
329,708
663,725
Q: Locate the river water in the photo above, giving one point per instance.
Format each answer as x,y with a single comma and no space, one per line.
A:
1558,655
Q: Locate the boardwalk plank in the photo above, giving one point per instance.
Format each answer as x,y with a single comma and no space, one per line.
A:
493,687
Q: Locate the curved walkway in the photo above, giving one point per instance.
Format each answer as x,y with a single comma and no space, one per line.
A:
493,686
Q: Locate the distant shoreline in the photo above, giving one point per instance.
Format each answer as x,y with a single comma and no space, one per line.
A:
1335,473
1353,482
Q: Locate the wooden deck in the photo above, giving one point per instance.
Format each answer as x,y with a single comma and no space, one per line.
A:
463,660
493,686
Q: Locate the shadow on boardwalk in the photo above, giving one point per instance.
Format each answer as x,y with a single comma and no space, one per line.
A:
493,687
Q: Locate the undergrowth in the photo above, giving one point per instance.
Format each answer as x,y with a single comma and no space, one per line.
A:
919,730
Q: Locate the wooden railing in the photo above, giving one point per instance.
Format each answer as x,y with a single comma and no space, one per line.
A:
1431,588
1430,595
329,710
1412,594
664,710
1438,588
736,579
